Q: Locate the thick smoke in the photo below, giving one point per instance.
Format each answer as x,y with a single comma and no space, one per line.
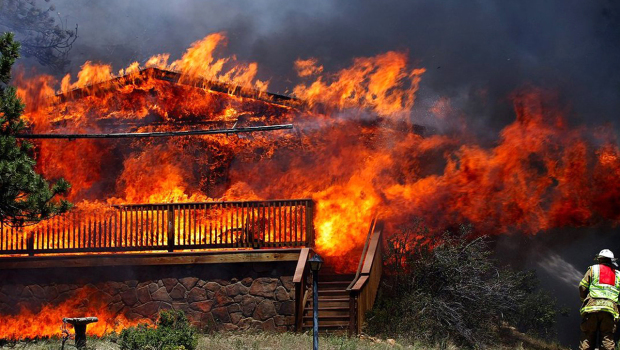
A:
477,53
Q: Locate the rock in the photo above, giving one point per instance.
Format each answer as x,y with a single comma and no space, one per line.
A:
287,308
147,310
221,298
264,287
114,287
143,295
116,307
264,310
207,322
51,293
178,292
161,295
287,282
160,283
143,284
247,281
194,317
248,304
227,327
235,289
188,282
280,320
153,287
202,306
220,314
183,306
269,326
212,286
196,294
281,294
37,291
169,283
26,294
132,283
234,308
129,297
391,342
165,306
235,317
221,282
200,283
247,323
13,290
100,298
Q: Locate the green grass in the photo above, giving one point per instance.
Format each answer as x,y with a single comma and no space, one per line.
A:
285,341
236,341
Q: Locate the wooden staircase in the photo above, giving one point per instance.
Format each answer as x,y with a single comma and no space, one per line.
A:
334,303
344,299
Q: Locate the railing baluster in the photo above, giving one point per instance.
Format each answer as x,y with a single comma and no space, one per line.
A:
170,211
296,221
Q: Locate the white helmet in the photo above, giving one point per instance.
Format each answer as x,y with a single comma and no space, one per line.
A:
606,253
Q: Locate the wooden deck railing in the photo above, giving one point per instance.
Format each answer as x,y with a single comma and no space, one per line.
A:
157,227
301,286
363,289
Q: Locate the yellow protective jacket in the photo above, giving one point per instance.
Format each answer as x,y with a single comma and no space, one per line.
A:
599,290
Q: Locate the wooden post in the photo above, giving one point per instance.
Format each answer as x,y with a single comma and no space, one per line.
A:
310,225
30,244
352,314
170,228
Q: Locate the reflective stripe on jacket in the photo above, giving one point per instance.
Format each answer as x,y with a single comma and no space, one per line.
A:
602,284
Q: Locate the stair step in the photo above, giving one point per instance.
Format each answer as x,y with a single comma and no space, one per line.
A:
329,324
343,302
328,319
333,292
340,314
328,327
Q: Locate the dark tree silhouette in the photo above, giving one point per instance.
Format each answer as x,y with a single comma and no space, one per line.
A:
40,34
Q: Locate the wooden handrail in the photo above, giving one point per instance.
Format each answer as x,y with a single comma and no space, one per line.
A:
373,222
302,265
301,292
363,289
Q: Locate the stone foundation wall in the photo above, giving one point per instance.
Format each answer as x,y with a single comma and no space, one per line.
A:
216,296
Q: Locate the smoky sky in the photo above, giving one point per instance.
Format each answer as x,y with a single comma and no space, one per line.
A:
487,48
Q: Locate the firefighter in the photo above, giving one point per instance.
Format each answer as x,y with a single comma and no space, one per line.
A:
599,290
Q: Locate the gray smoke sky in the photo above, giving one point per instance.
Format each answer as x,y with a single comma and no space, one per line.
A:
468,47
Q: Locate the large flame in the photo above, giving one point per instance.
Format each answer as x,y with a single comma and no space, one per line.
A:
354,150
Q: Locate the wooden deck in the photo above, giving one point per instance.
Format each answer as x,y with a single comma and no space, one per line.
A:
150,259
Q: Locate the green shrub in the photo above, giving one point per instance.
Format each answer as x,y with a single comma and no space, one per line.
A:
173,332
450,290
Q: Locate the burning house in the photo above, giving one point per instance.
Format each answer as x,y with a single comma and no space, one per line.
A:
220,225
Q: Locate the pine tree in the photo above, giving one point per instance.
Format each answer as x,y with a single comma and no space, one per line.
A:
25,196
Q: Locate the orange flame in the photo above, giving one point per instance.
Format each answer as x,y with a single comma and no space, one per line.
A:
46,322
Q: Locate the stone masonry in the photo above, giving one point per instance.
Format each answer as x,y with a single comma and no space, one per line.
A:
214,297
